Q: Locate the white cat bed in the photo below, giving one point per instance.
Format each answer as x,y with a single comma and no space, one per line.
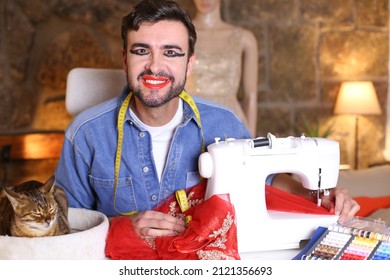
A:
87,240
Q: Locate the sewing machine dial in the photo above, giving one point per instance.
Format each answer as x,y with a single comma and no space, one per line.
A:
205,165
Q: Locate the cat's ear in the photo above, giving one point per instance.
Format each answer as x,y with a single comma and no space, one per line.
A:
13,197
48,187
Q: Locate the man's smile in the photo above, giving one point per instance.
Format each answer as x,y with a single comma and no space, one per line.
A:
155,82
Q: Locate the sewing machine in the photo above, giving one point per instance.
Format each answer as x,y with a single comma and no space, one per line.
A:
240,167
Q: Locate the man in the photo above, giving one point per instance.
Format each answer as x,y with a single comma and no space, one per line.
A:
128,154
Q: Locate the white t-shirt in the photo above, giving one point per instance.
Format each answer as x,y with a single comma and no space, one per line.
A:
161,137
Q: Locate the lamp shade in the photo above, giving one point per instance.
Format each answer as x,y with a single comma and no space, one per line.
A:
357,98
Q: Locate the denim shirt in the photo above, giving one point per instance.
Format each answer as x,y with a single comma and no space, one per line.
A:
86,167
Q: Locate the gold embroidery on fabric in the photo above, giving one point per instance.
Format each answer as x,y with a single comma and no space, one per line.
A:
193,202
227,223
219,242
174,211
213,255
174,208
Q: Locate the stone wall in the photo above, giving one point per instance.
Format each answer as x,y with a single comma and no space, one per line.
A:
306,49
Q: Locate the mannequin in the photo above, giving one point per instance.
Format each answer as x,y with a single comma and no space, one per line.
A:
226,55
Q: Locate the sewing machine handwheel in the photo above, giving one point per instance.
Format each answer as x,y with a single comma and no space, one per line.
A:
205,165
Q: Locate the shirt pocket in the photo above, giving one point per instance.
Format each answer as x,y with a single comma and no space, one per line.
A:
124,197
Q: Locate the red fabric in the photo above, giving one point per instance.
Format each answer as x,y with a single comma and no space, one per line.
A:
124,244
369,205
279,200
211,233
214,237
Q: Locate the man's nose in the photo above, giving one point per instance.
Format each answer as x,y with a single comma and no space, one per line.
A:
154,63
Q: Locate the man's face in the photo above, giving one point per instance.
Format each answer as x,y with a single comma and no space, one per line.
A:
156,61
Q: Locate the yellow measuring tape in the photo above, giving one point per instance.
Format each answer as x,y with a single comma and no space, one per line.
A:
187,98
182,200
121,119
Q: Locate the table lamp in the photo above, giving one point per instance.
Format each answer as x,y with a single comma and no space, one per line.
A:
357,98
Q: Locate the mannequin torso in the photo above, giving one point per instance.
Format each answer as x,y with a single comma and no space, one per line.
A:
216,71
226,55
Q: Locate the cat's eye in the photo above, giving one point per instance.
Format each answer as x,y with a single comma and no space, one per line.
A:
35,214
24,215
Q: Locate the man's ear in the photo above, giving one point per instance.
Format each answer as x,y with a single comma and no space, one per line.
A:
191,62
124,60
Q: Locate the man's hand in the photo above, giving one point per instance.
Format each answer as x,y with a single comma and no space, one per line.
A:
342,203
150,223
338,199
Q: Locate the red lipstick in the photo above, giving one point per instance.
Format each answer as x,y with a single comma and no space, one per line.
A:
153,82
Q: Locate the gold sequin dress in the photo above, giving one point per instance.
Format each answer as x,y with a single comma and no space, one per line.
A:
216,76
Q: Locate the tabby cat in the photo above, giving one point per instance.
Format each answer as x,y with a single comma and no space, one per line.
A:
33,209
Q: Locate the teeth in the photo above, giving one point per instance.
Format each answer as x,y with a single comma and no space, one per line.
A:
155,82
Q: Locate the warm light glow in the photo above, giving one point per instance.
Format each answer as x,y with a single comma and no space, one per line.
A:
357,98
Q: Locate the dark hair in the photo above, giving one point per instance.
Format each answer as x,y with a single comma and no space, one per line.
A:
152,11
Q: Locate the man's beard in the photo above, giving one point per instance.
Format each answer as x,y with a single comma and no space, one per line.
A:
153,100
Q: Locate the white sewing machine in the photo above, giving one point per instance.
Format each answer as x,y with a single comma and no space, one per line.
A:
240,167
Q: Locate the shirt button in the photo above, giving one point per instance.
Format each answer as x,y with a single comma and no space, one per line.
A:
142,134
153,197
145,169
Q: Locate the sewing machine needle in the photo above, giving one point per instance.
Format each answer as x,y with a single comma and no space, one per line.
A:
318,198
